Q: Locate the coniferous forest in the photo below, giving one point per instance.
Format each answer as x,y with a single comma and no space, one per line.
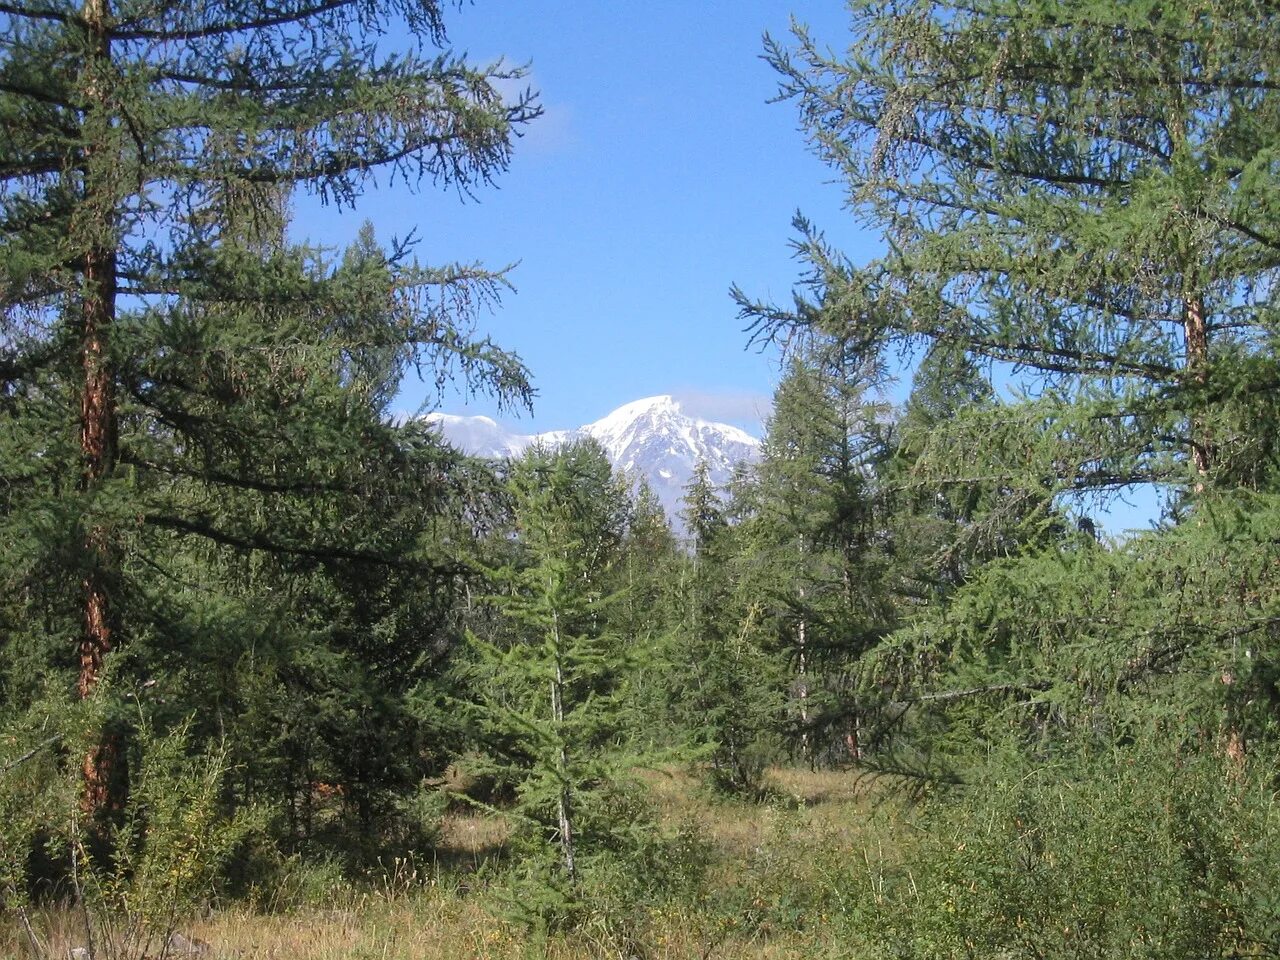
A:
285,675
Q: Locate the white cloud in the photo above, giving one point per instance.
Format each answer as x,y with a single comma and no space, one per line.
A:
552,131
740,407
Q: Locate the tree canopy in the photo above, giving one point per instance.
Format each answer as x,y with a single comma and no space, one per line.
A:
1084,193
183,381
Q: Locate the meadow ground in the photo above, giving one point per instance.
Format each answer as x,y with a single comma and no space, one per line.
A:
782,877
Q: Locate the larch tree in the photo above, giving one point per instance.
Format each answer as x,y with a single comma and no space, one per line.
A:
1085,193
952,519
551,697
724,690
132,307
646,567
1083,197
817,543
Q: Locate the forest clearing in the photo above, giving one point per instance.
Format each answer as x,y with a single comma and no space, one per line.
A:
769,870
285,672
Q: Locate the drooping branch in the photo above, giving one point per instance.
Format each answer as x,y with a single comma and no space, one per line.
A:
277,19
31,754
325,553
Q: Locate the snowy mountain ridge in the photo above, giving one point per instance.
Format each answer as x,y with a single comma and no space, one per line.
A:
652,438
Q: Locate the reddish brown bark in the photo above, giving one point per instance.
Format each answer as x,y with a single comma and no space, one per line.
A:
98,447
853,737
97,409
1196,332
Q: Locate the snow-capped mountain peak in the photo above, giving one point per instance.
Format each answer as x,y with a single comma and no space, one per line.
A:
480,436
638,421
652,438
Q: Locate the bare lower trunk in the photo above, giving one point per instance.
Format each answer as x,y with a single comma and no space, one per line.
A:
97,410
564,807
853,739
802,691
1233,743
97,442
1196,331
1235,748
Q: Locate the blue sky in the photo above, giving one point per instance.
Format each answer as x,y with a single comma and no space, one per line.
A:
658,176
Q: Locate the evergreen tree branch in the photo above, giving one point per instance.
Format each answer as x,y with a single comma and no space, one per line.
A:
239,481
30,754
278,19
39,13
324,553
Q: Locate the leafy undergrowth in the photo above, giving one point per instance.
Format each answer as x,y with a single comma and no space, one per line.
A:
783,877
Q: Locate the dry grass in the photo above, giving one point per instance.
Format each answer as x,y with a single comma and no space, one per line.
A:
841,807
58,929
422,927
427,929
762,854
473,834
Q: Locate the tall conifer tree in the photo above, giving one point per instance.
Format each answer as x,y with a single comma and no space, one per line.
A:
1085,191
130,128
724,689
817,545
553,672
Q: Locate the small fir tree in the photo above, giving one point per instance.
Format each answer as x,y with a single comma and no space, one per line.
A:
552,679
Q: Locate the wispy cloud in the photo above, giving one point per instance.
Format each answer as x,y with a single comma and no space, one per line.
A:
549,133
744,408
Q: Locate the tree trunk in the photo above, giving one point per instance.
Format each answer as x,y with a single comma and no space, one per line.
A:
1196,331
802,689
97,403
564,808
853,738
98,448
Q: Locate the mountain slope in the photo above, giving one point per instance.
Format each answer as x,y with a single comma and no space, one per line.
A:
651,438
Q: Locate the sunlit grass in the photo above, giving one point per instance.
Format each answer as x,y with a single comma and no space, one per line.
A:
782,874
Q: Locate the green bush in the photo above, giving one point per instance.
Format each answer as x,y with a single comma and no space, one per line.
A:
631,869
1141,852
166,849
134,875
34,799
